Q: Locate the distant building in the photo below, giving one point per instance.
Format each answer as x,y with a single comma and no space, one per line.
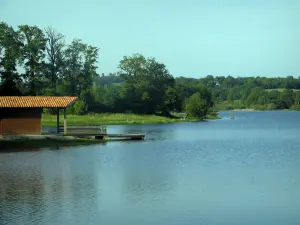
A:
23,114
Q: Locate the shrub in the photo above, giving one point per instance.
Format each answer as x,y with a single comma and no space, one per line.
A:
196,106
79,108
295,107
272,106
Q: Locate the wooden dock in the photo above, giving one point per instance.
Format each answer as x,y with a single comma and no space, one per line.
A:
98,132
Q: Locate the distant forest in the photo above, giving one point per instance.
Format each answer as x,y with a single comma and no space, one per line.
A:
251,92
35,61
235,93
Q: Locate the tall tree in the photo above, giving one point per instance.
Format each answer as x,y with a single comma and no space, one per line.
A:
253,96
287,97
73,55
146,82
262,99
297,98
33,54
54,50
170,99
230,95
112,97
10,52
90,57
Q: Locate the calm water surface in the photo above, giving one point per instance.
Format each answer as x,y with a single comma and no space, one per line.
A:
242,171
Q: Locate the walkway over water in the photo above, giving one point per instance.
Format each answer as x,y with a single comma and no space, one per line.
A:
99,132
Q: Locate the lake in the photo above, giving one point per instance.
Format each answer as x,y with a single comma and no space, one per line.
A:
224,172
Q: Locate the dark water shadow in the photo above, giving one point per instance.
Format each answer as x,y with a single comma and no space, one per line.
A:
39,145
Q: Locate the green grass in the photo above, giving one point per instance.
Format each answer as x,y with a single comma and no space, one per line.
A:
112,119
108,119
227,105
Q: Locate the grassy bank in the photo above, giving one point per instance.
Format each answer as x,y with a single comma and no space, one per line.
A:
95,119
112,119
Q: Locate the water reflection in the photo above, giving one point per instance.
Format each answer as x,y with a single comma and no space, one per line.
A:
154,132
21,193
142,181
53,146
31,184
8,150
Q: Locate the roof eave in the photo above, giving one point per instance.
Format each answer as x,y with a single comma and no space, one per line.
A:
72,102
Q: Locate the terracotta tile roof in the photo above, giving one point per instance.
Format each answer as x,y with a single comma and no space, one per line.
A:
36,101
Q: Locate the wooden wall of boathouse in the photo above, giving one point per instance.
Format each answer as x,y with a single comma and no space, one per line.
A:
14,121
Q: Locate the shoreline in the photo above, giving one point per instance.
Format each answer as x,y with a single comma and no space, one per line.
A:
259,110
117,119
47,140
244,110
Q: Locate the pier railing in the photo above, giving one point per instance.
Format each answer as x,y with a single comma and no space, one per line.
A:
101,129
99,132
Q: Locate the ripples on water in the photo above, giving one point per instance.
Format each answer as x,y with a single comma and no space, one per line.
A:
242,171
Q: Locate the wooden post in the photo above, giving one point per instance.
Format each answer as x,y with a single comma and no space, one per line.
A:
65,121
57,120
232,115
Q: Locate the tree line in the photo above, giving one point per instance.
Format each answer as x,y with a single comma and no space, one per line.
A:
35,61
233,93
251,92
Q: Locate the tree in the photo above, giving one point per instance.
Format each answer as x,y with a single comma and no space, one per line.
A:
230,95
80,66
287,97
79,108
110,79
34,43
253,96
273,96
112,98
142,85
90,59
73,65
10,54
262,99
170,99
98,93
196,106
146,82
55,43
297,98
159,80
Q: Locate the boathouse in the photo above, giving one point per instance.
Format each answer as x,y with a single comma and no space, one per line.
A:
23,114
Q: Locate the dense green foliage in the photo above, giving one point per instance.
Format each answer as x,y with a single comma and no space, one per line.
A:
196,106
259,93
34,61
250,92
40,62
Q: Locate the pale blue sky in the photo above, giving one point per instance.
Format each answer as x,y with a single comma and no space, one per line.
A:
193,38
